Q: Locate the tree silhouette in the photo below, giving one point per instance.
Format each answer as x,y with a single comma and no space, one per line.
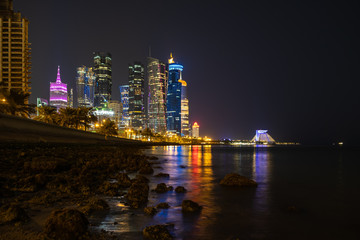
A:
47,114
14,102
108,128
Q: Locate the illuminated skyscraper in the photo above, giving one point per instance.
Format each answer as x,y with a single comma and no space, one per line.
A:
14,49
71,98
185,129
115,105
103,80
136,95
124,98
157,80
195,130
173,100
85,82
58,92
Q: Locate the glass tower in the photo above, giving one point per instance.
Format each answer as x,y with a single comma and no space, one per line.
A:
136,95
14,49
58,93
124,98
85,81
157,79
173,100
103,80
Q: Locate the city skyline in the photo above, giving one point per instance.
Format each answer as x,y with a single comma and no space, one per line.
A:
288,71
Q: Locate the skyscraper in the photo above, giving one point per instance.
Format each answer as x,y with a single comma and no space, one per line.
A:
173,100
157,74
85,81
115,105
136,95
14,49
103,80
58,92
71,98
195,130
124,98
185,129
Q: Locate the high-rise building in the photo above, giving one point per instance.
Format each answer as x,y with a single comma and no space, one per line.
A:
14,49
115,105
195,130
103,80
58,92
157,74
71,98
124,98
136,95
85,81
185,129
173,100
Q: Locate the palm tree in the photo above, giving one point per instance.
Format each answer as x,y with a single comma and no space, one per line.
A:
48,115
86,116
108,128
14,102
68,117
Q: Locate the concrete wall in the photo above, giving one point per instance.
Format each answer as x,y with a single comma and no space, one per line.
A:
16,129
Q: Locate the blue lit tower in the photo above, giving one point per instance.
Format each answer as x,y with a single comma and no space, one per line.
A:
173,100
85,81
124,98
103,79
136,95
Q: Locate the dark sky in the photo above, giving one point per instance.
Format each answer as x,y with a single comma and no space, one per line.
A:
290,67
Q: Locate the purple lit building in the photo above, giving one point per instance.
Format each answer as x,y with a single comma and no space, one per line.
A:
58,93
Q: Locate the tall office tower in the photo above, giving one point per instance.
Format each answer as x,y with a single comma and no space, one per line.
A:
136,95
85,81
71,98
14,49
124,99
195,130
185,129
115,105
103,81
58,93
157,79
173,100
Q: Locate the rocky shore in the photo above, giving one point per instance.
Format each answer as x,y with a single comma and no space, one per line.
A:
48,191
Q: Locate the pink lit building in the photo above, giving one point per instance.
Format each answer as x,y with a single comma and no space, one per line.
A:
58,93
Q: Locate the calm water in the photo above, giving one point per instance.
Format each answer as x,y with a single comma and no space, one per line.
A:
322,184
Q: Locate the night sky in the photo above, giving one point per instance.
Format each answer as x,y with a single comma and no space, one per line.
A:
290,67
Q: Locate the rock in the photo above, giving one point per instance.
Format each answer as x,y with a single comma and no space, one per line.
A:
180,189
165,175
13,214
66,224
188,206
95,204
150,211
163,205
141,178
123,180
138,194
162,188
153,158
234,179
182,166
146,169
110,189
157,232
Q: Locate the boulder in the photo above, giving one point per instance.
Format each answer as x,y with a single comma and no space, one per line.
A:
138,194
164,175
189,206
150,211
234,179
95,204
66,224
180,189
157,232
162,188
146,169
163,205
141,179
12,214
123,180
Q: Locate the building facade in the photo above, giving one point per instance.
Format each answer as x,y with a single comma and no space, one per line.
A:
58,93
173,100
136,95
195,130
103,78
71,98
157,74
185,128
14,49
115,105
85,81
124,99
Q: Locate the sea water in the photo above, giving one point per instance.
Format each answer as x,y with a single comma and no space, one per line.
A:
302,193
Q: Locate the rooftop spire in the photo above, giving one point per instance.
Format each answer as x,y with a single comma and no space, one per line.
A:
171,60
58,79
